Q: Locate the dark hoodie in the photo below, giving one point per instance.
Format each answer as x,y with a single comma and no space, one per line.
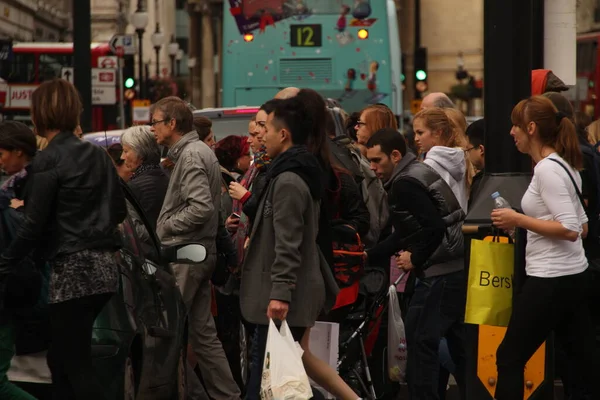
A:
303,163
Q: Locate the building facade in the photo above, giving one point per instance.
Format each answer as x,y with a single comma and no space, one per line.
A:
588,16
32,20
452,32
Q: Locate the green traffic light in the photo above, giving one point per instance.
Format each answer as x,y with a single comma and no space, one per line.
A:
129,82
421,75
402,77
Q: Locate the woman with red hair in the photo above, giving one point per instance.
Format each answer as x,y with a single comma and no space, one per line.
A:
233,153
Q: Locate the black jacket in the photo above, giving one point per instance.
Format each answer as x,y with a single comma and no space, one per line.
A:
258,186
445,252
74,202
149,189
347,205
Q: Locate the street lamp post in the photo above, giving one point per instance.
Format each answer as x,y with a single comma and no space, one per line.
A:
173,49
157,39
178,57
139,20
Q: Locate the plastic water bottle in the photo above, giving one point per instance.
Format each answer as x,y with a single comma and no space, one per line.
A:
501,202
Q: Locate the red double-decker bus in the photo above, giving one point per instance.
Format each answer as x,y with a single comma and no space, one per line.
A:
35,62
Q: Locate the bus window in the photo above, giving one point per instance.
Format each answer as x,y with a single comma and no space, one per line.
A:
21,69
52,64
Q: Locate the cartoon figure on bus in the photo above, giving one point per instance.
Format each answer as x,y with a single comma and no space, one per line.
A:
350,78
343,37
266,19
341,22
372,81
296,9
376,97
349,86
362,9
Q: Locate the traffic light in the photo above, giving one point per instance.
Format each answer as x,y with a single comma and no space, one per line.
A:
420,71
402,68
129,83
128,72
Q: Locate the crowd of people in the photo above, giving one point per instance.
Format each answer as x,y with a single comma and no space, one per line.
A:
271,208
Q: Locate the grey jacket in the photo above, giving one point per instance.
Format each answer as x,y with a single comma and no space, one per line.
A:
190,211
283,261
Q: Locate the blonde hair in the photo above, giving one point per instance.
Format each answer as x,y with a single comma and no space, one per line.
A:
451,125
41,142
593,130
441,120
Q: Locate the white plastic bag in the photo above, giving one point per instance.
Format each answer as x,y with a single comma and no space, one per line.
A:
283,374
396,339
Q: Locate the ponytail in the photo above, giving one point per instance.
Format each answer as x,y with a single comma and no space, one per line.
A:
555,129
567,143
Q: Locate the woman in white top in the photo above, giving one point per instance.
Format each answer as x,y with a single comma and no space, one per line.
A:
444,144
553,296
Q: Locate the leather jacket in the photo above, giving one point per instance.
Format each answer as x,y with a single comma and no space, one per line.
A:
452,246
74,202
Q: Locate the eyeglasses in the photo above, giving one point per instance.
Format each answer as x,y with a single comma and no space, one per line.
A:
158,122
469,149
360,123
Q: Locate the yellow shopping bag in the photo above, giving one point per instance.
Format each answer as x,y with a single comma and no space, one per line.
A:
490,286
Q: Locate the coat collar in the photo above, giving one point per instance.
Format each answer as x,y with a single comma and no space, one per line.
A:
406,160
177,148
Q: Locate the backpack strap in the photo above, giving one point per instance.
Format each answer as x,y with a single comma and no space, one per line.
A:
581,199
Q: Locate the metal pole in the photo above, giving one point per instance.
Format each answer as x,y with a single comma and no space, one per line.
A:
157,50
121,98
417,94
172,66
507,71
82,59
140,33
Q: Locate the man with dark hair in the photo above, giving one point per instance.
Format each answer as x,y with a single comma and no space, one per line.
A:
190,213
282,276
476,153
428,241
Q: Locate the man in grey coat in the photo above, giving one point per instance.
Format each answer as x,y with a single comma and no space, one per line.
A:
190,214
282,275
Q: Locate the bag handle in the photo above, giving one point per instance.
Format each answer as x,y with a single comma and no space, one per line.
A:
581,199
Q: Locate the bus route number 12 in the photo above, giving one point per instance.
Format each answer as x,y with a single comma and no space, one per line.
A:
305,35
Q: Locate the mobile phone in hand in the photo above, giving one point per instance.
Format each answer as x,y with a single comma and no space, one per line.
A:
236,215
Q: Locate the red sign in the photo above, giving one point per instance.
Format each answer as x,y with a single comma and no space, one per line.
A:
3,92
20,96
363,22
120,51
106,76
108,63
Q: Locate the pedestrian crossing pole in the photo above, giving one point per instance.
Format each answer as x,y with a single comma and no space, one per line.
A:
120,54
82,59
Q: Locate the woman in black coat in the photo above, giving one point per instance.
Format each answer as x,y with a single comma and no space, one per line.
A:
148,181
74,204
